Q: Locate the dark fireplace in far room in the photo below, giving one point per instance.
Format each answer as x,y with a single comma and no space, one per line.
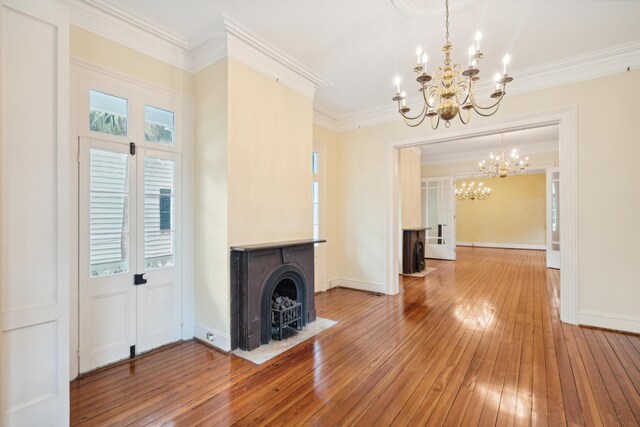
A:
413,241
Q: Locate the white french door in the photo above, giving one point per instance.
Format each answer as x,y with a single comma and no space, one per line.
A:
438,202
553,218
130,293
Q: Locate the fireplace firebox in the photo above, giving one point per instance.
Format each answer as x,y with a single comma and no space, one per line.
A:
272,287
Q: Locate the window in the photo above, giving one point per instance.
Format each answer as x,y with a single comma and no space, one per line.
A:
159,126
315,193
107,113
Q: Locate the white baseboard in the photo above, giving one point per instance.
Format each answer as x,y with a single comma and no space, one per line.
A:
610,321
502,245
357,284
220,340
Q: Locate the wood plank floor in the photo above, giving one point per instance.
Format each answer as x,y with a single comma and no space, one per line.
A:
476,342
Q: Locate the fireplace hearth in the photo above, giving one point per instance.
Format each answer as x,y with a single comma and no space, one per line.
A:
272,290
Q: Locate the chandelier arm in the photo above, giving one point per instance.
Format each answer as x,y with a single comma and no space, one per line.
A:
497,106
424,108
437,123
426,98
476,106
468,117
467,89
417,124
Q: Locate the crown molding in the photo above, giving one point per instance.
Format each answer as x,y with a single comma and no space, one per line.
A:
325,118
225,37
131,30
600,63
475,155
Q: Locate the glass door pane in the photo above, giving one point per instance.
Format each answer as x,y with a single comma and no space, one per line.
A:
159,213
108,213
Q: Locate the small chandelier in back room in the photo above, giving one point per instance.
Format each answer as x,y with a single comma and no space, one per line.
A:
502,165
449,91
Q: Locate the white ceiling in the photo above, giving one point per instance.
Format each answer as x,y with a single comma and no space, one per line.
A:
359,45
544,139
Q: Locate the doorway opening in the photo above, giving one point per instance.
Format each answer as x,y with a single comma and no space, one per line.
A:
561,122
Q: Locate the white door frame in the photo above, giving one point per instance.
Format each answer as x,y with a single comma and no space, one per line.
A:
566,119
182,105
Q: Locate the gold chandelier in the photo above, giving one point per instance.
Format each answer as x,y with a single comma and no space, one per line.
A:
501,165
450,89
471,192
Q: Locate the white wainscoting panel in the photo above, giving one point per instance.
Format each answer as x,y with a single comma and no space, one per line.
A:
34,212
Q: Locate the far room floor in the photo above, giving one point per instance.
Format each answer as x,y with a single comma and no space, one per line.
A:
477,341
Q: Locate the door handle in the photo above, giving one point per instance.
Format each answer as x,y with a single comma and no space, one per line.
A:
140,279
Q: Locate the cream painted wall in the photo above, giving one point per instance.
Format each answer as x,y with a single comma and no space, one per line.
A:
98,50
470,167
270,146
333,195
411,212
514,213
608,228
212,291
253,177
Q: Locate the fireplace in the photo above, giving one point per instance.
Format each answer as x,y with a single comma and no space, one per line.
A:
413,241
258,274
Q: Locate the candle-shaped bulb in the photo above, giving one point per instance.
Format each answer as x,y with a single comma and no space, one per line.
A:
472,52
478,39
418,54
397,82
505,61
425,58
404,99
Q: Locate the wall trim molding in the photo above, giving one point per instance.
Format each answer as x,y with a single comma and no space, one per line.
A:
221,340
475,155
610,321
503,245
357,284
225,37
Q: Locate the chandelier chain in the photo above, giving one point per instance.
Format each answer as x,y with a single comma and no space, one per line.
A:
447,18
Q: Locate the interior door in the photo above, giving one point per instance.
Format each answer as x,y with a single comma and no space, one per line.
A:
438,197
130,292
107,252
553,218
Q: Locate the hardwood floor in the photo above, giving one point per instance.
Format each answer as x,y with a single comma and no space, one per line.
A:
476,342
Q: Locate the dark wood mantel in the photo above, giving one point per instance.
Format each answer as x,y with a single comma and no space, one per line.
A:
287,244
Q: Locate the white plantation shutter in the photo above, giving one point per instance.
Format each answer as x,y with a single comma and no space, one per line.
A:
159,187
109,212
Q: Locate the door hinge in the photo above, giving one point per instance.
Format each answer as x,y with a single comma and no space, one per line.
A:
132,148
78,353
132,352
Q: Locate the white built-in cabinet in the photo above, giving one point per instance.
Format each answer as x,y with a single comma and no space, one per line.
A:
34,212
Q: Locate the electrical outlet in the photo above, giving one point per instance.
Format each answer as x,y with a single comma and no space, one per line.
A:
210,336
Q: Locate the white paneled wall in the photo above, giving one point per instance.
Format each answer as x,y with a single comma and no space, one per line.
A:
34,208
